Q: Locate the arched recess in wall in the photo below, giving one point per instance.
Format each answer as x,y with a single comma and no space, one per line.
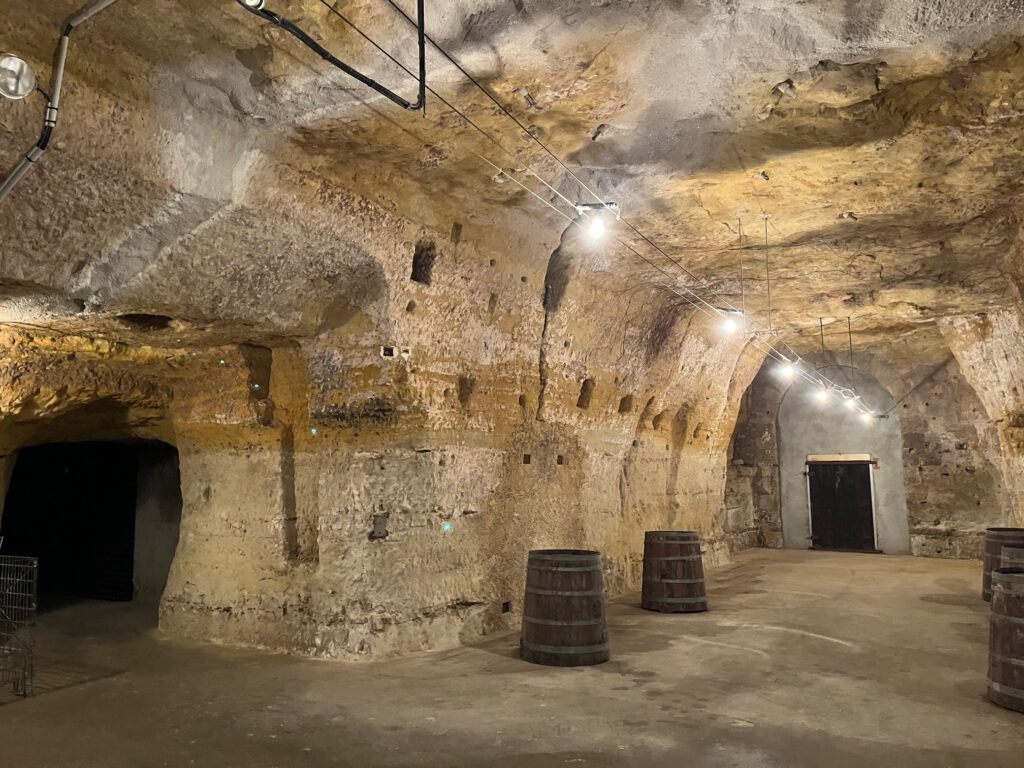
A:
807,428
102,517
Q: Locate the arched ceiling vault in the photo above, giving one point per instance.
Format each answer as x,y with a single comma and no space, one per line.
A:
210,169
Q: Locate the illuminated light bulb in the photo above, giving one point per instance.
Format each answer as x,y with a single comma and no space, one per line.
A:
787,371
866,417
256,5
313,431
222,361
730,325
17,80
850,403
822,394
447,527
596,228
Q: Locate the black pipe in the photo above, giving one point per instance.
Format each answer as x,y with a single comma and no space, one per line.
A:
299,34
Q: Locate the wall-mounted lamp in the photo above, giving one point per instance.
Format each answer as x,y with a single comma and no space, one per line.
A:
17,81
17,78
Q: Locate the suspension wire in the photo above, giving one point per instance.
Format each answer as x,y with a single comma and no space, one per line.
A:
441,98
849,331
768,276
743,295
698,301
497,102
768,350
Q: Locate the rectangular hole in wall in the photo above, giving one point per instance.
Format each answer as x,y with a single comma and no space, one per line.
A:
387,351
526,458
560,460
506,607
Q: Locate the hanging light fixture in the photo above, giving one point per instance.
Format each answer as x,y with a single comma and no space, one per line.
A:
787,370
732,319
822,394
867,416
17,78
595,214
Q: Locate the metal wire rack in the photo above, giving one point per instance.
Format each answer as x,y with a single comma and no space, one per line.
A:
18,593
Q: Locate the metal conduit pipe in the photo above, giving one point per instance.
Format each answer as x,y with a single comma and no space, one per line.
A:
53,104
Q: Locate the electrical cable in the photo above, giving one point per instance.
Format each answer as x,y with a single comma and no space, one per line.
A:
52,101
767,350
770,352
303,37
497,102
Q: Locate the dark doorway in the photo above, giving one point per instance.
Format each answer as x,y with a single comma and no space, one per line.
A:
87,511
842,513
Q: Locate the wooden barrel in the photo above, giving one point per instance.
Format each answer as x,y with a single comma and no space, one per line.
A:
673,573
1006,639
1012,557
564,621
995,540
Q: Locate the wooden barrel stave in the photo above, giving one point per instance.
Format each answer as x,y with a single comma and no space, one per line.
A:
1012,557
564,621
673,579
1006,639
995,540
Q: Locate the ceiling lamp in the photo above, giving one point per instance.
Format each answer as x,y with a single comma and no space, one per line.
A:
596,213
787,371
822,394
17,79
733,321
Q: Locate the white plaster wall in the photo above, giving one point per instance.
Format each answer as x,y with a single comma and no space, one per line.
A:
807,427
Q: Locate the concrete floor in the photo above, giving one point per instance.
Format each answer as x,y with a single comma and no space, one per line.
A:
806,659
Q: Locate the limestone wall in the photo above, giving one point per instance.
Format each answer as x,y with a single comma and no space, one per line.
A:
954,473
471,416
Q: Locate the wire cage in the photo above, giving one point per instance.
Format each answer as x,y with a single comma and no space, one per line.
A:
18,591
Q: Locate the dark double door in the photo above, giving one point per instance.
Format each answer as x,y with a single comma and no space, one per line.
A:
842,513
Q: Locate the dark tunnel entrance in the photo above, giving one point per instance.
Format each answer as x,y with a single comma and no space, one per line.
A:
102,517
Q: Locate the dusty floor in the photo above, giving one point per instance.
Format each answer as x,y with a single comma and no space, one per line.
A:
806,659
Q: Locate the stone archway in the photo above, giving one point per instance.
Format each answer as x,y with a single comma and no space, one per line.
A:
103,517
806,427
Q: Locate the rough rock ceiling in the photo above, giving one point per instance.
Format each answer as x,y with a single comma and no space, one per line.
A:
210,169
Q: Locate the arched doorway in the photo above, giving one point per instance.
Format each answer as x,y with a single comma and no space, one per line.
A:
102,517
840,474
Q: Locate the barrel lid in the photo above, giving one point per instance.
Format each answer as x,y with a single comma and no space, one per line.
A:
673,533
1008,575
563,553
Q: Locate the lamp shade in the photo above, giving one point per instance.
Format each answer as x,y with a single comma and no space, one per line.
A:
17,80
